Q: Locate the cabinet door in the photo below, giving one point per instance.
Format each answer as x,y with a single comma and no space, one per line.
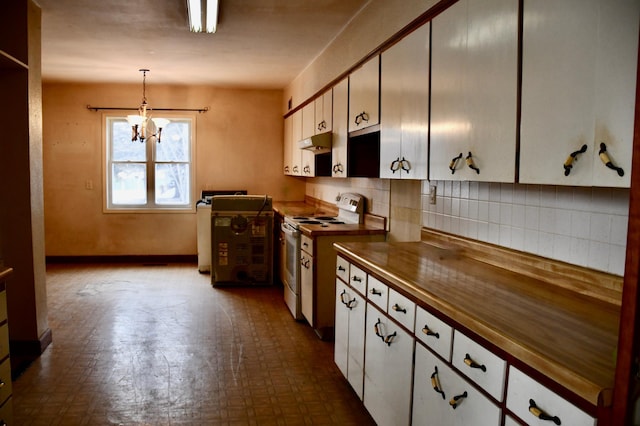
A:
340,129
364,92
306,287
308,129
296,135
578,80
474,91
438,389
341,330
404,107
388,370
288,141
355,366
324,111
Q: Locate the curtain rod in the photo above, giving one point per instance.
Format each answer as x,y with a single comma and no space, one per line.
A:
200,110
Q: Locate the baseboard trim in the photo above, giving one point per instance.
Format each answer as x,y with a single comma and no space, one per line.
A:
143,259
24,352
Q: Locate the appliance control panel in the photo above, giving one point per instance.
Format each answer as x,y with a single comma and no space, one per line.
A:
350,201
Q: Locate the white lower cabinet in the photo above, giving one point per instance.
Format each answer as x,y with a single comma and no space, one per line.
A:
388,370
349,335
537,405
442,397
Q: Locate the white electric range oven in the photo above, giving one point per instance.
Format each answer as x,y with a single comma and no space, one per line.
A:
350,211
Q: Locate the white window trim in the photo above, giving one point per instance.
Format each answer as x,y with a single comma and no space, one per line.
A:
107,208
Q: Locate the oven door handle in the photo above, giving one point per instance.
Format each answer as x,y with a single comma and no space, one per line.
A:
289,230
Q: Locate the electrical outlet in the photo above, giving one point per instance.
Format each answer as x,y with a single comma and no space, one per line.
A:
433,190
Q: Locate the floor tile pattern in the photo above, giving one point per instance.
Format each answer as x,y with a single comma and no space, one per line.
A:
158,345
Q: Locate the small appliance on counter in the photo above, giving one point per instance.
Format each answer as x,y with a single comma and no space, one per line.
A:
203,225
241,239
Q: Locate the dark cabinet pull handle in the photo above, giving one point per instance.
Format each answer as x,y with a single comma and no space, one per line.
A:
380,333
435,382
397,308
356,279
306,169
322,125
338,168
456,400
389,338
454,163
341,268
533,409
349,303
607,162
471,164
295,169
395,165
375,292
573,157
286,169
406,163
363,116
426,330
377,327
471,363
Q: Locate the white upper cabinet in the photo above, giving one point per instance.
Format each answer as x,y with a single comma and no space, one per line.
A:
404,107
364,94
296,135
308,120
324,111
578,91
307,161
340,129
474,91
288,142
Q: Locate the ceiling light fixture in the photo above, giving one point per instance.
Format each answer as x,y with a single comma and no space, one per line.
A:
203,14
140,122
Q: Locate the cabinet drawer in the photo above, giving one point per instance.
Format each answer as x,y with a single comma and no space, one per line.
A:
523,391
342,269
434,333
5,380
3,305
306,244
6,412
438,389
4,341
377,292
479,364
358,279
402,309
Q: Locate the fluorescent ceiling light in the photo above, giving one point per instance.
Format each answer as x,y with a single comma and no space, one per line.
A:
203,14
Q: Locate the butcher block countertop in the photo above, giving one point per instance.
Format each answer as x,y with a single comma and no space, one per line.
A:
557,319
5,272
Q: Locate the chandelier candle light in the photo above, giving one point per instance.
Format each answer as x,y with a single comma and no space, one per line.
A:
139,122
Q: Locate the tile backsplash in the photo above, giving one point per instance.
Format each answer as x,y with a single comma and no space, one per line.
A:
583,226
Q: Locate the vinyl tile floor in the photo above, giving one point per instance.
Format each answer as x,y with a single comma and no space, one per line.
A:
158,345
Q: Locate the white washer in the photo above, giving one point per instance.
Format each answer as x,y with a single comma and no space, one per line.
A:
203,213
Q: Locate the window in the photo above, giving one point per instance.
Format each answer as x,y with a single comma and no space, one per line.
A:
151,175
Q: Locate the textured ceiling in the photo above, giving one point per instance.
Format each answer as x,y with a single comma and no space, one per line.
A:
258,43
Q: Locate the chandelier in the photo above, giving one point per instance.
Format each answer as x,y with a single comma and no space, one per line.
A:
140,122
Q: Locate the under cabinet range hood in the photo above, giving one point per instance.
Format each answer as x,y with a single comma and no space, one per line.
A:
319,143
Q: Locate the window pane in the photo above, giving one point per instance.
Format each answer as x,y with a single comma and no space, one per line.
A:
123,149
174,145
129,183
172,184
